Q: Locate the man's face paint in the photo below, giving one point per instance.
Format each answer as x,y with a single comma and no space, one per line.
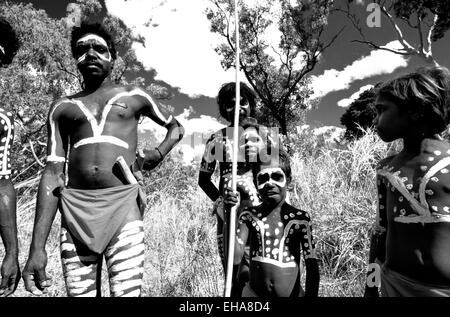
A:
99,48
244,109
271,175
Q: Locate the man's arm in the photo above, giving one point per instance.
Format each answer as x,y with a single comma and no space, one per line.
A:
10,271
175,132
377,252
309,253
207,168
52,180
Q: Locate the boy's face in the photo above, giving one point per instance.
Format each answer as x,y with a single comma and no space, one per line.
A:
93,56
244,109
252,144
272,183
391,122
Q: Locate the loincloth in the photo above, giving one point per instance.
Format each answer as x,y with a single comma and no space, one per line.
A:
94,216
394,284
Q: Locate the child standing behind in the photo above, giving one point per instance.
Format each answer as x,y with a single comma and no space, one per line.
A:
278,234
412,238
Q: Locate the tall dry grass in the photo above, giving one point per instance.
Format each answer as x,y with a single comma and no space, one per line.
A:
335,184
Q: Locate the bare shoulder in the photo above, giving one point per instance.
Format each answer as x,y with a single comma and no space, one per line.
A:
58,106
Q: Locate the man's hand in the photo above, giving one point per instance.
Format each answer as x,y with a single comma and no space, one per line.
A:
10,275
230,199
34,276
148,159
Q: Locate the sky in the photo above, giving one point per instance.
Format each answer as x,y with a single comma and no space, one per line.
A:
179,52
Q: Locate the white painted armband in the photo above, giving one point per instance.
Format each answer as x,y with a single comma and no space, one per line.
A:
56,159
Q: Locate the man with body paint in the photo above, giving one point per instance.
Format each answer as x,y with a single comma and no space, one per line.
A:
9,44
101,207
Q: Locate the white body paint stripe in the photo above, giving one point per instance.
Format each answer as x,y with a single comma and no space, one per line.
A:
126,254
274,262
431,172
55,158
400,186
67,247
53,132
94,37
128,264
125,275
134,239
435,218
81,271
84,284
117,288
422,208
4,170
138,92
102,139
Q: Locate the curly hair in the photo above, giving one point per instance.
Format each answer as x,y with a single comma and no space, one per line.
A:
93,28
9,42
228,92
425,92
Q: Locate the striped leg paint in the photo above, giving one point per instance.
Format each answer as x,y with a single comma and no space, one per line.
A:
125,260
81,268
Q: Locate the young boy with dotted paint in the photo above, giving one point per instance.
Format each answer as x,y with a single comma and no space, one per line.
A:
410,247
278,234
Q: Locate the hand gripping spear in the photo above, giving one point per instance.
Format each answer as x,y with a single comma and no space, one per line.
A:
232,224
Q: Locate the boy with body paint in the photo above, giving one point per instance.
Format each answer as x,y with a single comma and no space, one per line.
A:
101,209
10,270
278,234
219,149
411,240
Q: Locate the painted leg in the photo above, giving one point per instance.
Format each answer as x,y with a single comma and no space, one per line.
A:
81,267
125,260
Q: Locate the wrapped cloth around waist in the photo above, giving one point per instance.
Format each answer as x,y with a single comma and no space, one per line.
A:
394,284
93,216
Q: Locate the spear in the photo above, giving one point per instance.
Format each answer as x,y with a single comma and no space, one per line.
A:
232,224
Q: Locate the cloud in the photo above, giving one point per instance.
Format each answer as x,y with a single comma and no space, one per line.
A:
179,44
378,62
197,132
347,101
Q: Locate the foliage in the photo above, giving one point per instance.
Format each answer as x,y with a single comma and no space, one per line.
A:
44,71
359,115
429,20
278,75
336,185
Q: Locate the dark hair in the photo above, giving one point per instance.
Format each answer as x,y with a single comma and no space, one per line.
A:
425,92
283,161
8,41
228,91
93,28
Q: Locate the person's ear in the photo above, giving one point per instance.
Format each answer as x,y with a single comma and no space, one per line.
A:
289,185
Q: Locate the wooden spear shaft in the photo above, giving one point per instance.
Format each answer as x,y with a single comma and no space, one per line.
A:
232,223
